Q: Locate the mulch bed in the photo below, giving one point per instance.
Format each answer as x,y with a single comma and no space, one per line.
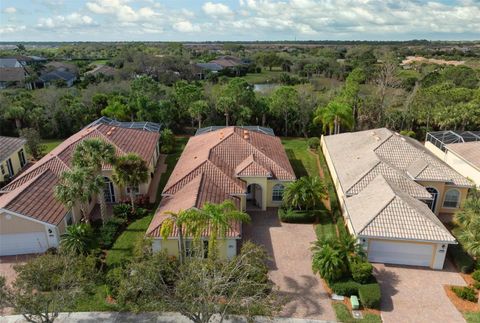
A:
461,304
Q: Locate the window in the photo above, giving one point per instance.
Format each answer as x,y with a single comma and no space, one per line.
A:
452,197
191,250
277,193
69,218
433,202
2,169
21,157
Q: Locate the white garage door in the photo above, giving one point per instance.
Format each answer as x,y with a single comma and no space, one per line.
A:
23,243
401,253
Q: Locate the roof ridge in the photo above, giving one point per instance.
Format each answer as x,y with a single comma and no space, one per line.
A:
378,213
23,187
202,178
383,142
95,129
166,188
364,175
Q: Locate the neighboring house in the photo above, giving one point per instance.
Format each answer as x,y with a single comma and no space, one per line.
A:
392,192
202,69
102,70
32,220
9,63
53,77
229,61
52,66
246,165
460,150
13,77
13,157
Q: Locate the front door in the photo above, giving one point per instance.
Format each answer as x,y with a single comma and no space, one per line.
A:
109,191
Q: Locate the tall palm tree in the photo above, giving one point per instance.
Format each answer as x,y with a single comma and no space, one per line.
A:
91,154
306,193
216,218
468,219
77,239
168,226
333,116
130,171
75,187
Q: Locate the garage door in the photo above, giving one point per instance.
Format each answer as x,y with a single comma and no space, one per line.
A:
22,243
401,253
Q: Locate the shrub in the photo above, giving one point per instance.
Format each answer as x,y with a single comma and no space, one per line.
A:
476,275
408,133
346,288
313,143
466,293
361,271
461,258
109,231
293,216
122,211
167,141
370,295
476,284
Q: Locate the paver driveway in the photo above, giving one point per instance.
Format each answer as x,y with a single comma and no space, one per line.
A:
414,294
290,264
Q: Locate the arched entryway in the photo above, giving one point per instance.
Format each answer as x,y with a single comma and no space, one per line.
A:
432,204
254,196
109,191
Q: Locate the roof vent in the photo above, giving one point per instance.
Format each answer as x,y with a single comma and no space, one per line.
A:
377,138
221,134
373,133
246,136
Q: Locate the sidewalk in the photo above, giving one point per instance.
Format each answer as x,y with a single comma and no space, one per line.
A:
113,317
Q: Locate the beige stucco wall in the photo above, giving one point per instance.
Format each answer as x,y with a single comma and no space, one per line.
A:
442,188
463,167
435,150
120,192
15,162
262,181
10,224
270,185
171,247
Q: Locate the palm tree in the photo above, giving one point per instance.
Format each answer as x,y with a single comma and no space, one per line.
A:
75,186
333,116
17,113
217,219
168,226
77,239
130,171
329,263
91,154
468,220
306,193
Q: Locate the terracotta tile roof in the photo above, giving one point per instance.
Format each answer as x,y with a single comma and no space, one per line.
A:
210,166
31,193
8,145
469,151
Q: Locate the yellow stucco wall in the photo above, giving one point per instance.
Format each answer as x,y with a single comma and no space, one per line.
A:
120,192
463,167
267,190
171,247
442,188
15,162
262,181
14,224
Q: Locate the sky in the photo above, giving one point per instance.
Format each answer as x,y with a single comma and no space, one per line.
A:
238,20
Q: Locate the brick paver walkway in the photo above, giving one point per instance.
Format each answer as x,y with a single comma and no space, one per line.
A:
290,264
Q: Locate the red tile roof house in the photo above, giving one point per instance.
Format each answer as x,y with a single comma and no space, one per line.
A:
32,220
246,165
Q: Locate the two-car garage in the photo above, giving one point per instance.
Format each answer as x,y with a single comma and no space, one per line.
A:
407,253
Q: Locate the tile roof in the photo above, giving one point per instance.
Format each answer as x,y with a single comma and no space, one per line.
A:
12,74
31,193
8,145
469,151
210,166
360,158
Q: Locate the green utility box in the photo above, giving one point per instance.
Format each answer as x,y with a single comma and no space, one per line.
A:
354,302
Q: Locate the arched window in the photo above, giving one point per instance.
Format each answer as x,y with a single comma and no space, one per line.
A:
452,197
277,193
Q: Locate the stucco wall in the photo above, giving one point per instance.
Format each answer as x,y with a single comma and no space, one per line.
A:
15,162
14,224
171,247
270,185
463,167
442,188
262,181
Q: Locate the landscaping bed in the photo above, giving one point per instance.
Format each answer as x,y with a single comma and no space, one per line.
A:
465,298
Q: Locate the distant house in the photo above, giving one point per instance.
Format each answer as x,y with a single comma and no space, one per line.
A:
230,61
55,77
9,63
460,150
102,70
227,64
394,195
202,69
12,157
61,66
13,77
32,219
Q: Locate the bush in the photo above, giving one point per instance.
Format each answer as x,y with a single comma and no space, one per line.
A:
346,288
167,141
370,295
122,211
361,271
313,143
461,258
476,275
476,285
466,293
293,216
109,231
408,133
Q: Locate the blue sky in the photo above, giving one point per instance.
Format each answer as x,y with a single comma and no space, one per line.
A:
198,20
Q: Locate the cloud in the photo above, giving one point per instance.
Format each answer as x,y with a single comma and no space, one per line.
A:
186,27
122,11
216,9
10,29
72,20
9,10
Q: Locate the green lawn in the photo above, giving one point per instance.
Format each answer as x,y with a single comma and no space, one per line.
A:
472,317
265,76
343,315
303,162
50,144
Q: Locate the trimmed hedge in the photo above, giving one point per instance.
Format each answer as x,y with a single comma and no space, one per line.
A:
110,230
466,293
361,271
345,288
294,216
461,258
370,295
313,143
